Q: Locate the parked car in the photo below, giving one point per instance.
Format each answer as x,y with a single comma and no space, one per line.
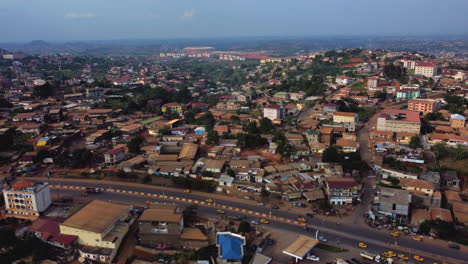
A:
322,239
253,222
313,258
310,215
274,207
454,246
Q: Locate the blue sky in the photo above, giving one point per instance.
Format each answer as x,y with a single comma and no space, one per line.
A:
65,20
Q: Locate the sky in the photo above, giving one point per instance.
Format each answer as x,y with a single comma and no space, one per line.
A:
81,20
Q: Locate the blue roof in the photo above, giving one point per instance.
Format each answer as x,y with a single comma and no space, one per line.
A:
231,246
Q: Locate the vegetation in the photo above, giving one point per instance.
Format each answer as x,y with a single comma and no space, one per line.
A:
415,142
194,184
134,144
442,150
349,161
444,230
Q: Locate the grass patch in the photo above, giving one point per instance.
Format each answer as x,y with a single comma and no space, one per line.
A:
461,166
331,248
358,86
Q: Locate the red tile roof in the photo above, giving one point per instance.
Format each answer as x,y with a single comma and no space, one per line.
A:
21,184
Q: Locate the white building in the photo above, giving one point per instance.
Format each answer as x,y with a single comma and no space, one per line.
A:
27,199
273,112
425,68
409,64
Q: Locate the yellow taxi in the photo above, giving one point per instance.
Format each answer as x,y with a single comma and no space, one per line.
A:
418,258
209,200
302,219
264,221
403,257
391,254
395,234
148,202
417,238
362,245
187,191
219,211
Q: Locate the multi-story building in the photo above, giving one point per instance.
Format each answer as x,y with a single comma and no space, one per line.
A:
341,191
172,107
394,203
274,112
344,117
26,199
425,68
100,227
409,64
161,225
399,121
114,156
373,82
424,106
407,92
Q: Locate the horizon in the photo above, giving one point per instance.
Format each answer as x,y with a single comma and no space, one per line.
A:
56,21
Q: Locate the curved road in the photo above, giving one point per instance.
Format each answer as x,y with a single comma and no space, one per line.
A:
347,234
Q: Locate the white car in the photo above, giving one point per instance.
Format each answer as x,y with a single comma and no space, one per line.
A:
313,258
322,239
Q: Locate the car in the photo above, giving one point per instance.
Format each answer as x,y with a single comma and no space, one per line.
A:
253,222
454,246
219,211
362,245
322,239
403,257
274,207
416,238
148,202
418,258
269,241
84,194
313,258
395,234
264,221
310,215
260,204
187,191
209,200
302,219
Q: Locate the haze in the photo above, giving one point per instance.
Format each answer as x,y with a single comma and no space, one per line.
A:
65,20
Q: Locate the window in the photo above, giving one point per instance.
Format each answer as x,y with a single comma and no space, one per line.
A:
163,223
394,207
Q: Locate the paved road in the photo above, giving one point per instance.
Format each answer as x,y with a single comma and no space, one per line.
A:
349,234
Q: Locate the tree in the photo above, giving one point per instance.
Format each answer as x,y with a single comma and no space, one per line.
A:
231,172
165,130
44,91
331,154
415,142
265,193
212,138
134,144
392,71
266,126
244,227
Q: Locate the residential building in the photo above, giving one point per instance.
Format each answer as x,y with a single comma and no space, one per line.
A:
172,107
100,227
423,106
432,176
330,107
114,156
48,230
409,64
341,191
451,180
312,136
394,202
417,186
399,121
343,80
425,68
405,94
161,226
373,82
274,112
344,117
457,121
27,199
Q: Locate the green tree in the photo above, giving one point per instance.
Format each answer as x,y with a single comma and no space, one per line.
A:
244,227
415,142
165,130
331,154
134,144
212,138
266,126
44,91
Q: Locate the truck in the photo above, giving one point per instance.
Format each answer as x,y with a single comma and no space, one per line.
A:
89,190
371,256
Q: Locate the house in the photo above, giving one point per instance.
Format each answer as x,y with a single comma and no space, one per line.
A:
225,180
457,121
188,151
55,115
347,145
343,80
344,117
34,129
330,107
417,186
26,199
373,82
132,128
114,156
341,191
49,232
172,107
312,136
231,246
100,227
394,203
432,176
215,166
450,180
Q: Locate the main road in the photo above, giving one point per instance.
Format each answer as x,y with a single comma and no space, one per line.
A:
348,234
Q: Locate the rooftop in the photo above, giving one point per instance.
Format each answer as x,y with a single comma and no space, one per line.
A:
96,216
301,247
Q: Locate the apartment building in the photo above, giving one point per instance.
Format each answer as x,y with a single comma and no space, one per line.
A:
26,199
424,106
425,68
399,121
114,156
409,64
457,121
100,227
341,191
274,112
394,202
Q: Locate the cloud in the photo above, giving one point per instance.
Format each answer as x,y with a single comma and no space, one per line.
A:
73,15
188,14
